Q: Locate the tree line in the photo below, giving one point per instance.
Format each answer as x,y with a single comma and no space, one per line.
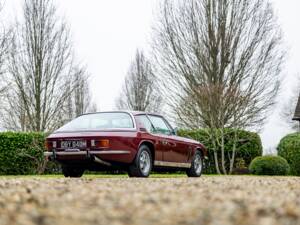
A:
213,64
42,85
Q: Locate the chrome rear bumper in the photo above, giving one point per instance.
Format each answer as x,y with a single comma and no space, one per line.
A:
83,153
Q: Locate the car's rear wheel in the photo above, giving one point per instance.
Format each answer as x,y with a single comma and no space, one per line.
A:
142,165
196,166
70,171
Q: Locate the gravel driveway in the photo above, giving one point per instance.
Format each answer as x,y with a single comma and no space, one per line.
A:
207,200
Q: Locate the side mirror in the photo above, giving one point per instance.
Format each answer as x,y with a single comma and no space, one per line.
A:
174,131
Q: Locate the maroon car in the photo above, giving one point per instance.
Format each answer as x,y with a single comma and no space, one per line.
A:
137,142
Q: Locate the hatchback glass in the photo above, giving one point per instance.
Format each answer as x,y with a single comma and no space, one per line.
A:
99,121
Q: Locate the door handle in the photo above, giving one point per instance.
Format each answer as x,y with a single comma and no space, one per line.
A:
164,142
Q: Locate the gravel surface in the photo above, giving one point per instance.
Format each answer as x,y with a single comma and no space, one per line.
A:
207,200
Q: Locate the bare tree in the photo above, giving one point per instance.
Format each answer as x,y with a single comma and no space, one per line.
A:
13,114
5,38
40,68
5,35
220,63
140,91
79,101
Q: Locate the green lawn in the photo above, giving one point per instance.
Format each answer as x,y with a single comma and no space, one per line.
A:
103,176
94,176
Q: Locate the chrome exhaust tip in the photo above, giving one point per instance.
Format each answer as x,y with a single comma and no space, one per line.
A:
100,161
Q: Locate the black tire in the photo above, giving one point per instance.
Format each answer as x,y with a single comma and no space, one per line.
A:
70,171
196,168
136,169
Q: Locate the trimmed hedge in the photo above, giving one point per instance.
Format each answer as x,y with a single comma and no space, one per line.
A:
269,165
289,148
22,154
248,146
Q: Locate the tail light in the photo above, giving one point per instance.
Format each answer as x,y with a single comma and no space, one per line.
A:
104,143
49,145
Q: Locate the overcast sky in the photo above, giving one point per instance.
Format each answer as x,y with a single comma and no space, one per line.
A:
106,34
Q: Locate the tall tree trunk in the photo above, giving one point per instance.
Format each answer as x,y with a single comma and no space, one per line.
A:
223,152
232,159
215,150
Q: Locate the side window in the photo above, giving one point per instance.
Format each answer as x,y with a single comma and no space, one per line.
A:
159,125
145,122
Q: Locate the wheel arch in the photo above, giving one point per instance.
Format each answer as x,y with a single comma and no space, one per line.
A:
201,150
150,145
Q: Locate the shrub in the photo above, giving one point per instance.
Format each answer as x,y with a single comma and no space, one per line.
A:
248,146
289,148
240,167
269,165
22,153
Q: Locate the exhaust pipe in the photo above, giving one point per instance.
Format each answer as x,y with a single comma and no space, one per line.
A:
97,160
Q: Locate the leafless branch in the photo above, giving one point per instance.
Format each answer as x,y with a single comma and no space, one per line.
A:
5,36
140,91
220,63
41,69
79,102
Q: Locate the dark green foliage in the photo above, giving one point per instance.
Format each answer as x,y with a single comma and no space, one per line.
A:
52,168
289,148
22,154
248,146
269,165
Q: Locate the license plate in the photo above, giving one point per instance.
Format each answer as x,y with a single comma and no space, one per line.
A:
73,144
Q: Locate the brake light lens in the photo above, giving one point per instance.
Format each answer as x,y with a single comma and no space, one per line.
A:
50,144
104,143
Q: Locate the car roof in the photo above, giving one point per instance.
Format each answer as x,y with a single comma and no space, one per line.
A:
134,113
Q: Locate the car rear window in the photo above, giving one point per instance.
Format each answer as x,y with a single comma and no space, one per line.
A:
99,121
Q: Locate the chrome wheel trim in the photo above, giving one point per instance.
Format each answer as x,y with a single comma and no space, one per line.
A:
145,162
198,164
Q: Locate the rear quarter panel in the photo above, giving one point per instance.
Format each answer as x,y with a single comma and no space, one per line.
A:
118,140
